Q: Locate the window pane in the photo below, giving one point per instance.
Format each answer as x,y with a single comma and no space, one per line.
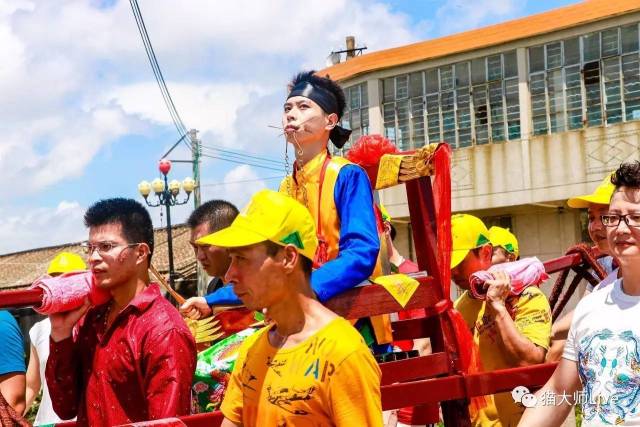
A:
572,51
417,122
432,81
613,97
510,64
494,67
389,116
365,121
536,59
402,87
415,84
464,117
403,140
448,117
446,78
364,96
433,117
513,108
497,111
631,78
592,88
388,89
556,101
610,42
462,74
554,55
591,47
538,104
354,96
478,71
481,114
629,38
355,119
574,97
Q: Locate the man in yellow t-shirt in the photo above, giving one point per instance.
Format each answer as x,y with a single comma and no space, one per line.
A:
310,366
510,331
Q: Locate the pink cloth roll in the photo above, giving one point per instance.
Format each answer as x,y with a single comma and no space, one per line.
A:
523,273
68,291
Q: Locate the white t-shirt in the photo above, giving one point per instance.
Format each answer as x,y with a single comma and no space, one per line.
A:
604,340
607,264
39,335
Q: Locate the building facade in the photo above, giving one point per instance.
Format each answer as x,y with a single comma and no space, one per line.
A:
537,110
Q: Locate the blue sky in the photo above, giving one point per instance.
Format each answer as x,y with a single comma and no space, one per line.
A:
82,117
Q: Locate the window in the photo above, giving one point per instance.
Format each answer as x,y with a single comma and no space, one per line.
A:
356,116
589,80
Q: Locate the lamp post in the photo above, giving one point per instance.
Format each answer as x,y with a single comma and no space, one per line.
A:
167,194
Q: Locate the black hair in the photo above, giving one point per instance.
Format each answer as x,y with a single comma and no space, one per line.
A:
627,175
392,232
131,215
218,214
306,263
323,82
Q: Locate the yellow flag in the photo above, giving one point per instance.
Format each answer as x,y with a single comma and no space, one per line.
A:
400,286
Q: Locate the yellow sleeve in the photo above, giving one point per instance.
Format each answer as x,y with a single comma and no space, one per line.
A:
232,403
533,316
354,391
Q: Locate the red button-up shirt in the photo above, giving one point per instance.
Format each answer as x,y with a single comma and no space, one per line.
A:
141,368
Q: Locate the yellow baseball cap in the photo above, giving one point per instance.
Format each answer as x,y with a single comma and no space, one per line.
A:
467,232
66,262
504,238
269,216
601,195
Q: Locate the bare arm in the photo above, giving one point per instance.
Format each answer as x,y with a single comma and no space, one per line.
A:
565,380
12,387
34,382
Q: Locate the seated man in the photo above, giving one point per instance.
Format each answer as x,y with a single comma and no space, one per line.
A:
310,366
505,245
510,331
208,218
599,366
132,358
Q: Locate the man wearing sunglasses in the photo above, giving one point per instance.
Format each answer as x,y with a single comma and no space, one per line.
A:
600,364
133,358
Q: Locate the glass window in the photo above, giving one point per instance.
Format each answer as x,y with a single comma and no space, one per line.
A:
432,81
462,74
478,71
572,51
417,122
554,55
631,79
574,97
591,47
354,96
481,114
494,67
612,90
433,117
629,38
536,59
538,104
512,99
609,40
415,84
463,112
402,87
497,111
510,64
556,101
389,116
403,140
389,89
446,78
592,89
448,117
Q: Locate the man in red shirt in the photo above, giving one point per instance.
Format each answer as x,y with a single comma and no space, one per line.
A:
133,358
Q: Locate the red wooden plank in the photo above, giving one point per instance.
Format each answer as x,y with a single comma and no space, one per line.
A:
427,366
21,298
557,264
372,300
415,328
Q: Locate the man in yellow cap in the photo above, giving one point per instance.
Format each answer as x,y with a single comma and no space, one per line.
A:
510,331
596,204
64,262
309,366
505,245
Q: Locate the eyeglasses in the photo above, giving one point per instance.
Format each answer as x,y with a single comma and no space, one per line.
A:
103,247
613,220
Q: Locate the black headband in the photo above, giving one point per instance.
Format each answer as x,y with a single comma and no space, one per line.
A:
329,104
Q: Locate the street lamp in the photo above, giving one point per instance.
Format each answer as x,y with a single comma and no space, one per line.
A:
167,194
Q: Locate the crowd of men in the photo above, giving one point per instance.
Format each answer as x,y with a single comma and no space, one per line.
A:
287,252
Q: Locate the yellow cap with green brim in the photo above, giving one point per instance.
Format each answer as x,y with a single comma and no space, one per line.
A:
601,195
270,216
468,232
504,238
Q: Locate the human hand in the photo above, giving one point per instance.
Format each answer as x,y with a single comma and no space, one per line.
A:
62,323
498,290
196,308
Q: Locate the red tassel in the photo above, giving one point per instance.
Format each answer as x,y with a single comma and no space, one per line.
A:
367,152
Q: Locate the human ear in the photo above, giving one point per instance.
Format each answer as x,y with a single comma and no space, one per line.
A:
142,253
290,258
332,121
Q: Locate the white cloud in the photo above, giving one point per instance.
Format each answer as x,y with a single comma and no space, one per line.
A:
36,228
237,187
461,15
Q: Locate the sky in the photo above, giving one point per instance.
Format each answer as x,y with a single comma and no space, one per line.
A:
82,118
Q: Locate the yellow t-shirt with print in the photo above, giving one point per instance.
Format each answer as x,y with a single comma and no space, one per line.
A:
330,379
532,315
